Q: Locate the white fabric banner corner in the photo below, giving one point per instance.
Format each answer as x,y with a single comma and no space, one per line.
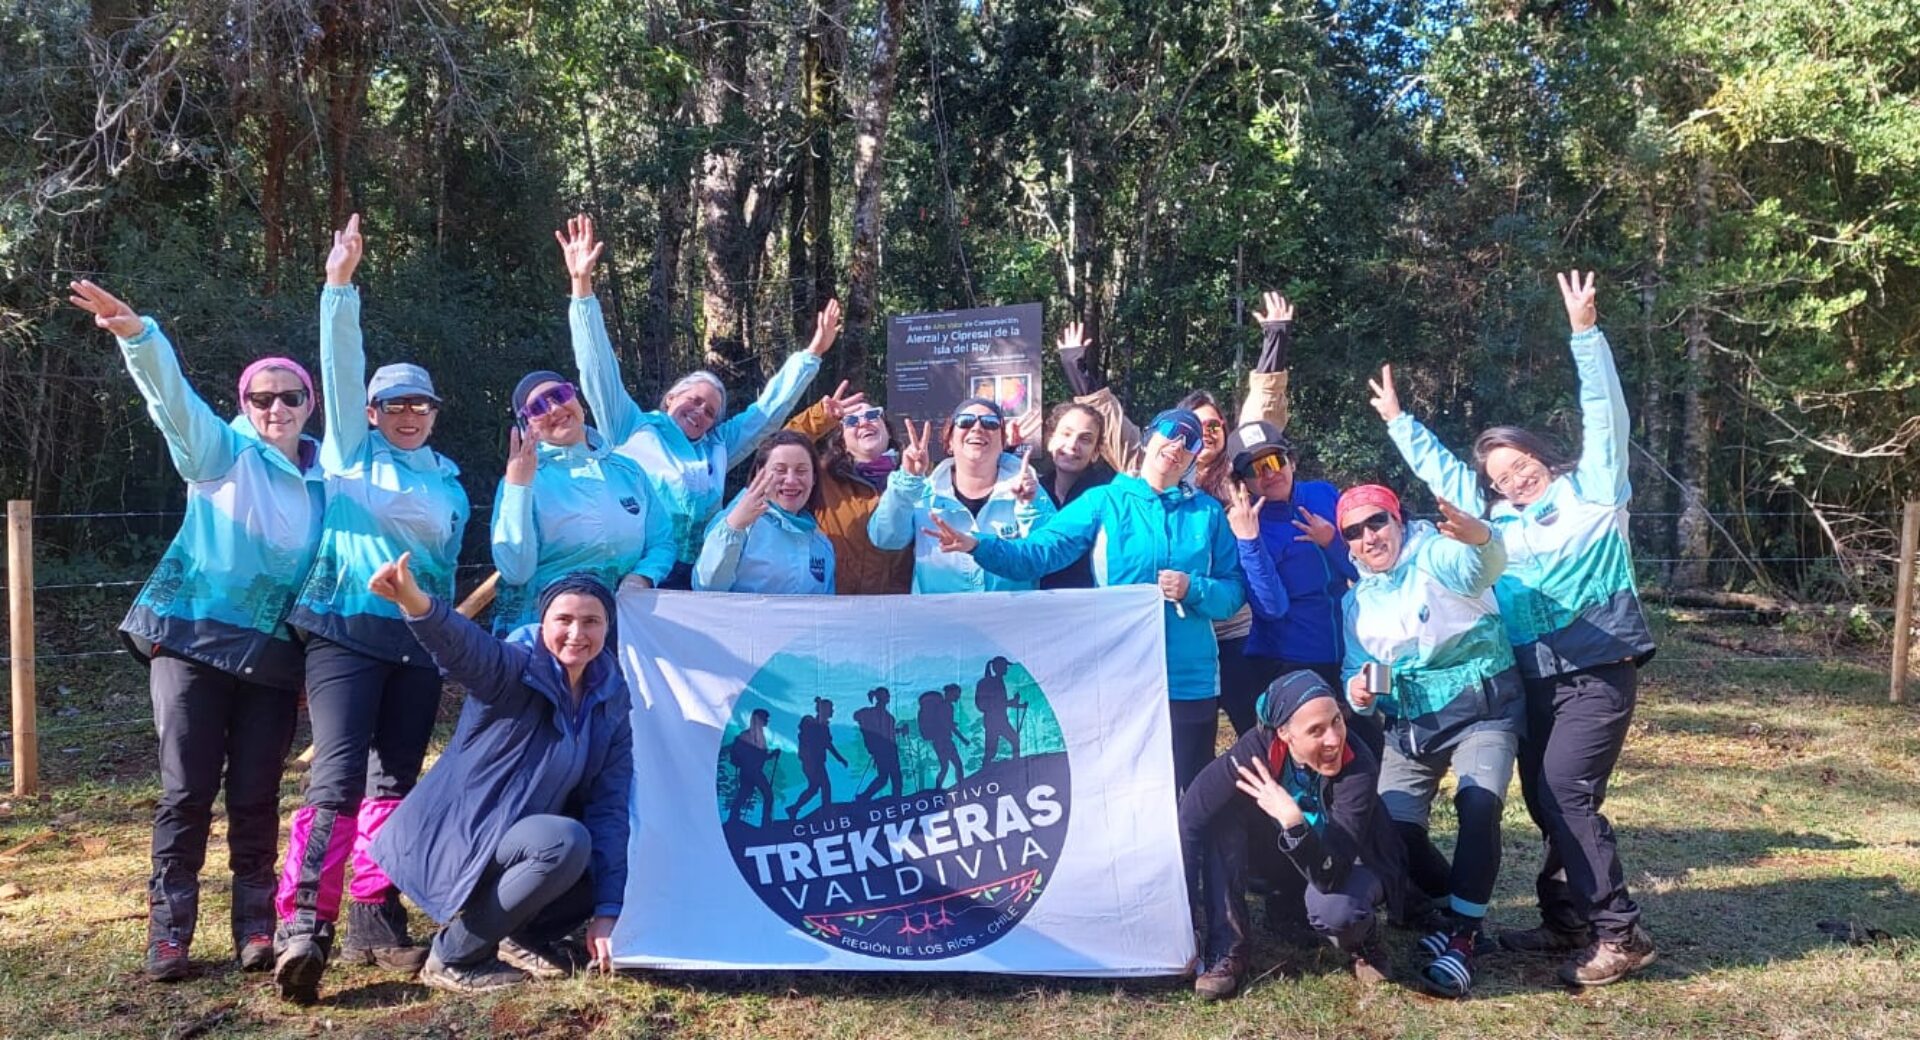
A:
907,783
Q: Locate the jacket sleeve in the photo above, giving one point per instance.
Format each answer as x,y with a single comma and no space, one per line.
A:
343,377
1355,656
660,554
1122,436
1326,855
1267,384
516,539
1604,425
1029,515
1444,473
891,525
812,423
1221,592
719,559
742,433
614,410
202,446
1064,538
487,668
1265,592
1467,569
607,802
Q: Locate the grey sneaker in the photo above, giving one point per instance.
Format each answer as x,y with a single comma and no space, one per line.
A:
1603,963
487,975
540,960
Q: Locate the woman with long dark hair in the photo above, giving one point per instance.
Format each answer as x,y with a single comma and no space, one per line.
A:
768,541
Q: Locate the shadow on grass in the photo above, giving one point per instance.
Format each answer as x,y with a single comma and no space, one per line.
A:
391,993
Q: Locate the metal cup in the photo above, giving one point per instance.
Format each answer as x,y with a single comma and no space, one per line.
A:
1377,677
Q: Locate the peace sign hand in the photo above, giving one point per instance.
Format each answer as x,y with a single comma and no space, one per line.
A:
1578,295
1243,512
825,329
1025,485
839,403
1386,400
579,250
109,311
1278,309
1462,527
1314,528
521,460
345,256
915,458
949,538
752,503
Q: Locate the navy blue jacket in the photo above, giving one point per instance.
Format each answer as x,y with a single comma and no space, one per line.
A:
1294,586
519,750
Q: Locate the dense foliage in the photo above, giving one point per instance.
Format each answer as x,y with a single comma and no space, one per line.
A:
1745,174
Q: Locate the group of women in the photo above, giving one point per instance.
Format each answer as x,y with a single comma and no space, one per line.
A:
1358,655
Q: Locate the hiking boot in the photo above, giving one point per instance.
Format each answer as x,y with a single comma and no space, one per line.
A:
541,960
1605,962
377,935
487,975
255,952
166,960
1221,980
1546,939
300,958
1370,964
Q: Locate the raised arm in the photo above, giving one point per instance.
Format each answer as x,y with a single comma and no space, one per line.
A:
744,431
488,668
891,525
1604,424
614,411
1471,557
516,537
1267,384
1444,473
201,444
343,355
1064,538
719,562
1266,594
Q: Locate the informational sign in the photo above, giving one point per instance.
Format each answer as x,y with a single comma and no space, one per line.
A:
935,361
921,783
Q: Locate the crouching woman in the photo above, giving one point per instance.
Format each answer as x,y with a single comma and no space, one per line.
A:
519,832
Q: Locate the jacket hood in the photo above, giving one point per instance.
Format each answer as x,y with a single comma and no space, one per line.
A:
593,446
547,675
309,445
1137,487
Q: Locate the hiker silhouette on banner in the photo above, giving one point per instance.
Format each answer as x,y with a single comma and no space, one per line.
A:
816,743
990,697
938,730
879,731
750,756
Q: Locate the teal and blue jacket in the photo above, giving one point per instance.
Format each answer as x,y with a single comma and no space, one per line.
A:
909,504
589,510
689,476
381,502
1569,596
1133,533
782,554
1433,621
221,592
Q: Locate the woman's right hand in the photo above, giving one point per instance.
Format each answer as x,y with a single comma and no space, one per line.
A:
345,256
394,583
1277,308
836,405
752,503
915,458
951,539
1357,693
1243,512
521,460
580,251
109,311
1386,400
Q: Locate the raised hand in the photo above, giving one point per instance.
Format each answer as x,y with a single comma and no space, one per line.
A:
950,538
1025,485
1025,428
521,460
1386,400
839,403
826,329
1277,308
1578,295
1462,527
345,256
752,503
1073,337
915,458
109,311
394,583
1243,512
580,251
1314,528
1257,782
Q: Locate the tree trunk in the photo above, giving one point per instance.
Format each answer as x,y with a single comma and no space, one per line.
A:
869,176
273,188
723,190
1693,540
1654,494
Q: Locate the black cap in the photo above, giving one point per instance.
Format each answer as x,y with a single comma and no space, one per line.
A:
1255,439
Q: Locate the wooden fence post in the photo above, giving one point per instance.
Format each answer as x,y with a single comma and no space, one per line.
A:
26,727
1903,601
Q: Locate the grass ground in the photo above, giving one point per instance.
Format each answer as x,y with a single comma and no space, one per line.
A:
1767,789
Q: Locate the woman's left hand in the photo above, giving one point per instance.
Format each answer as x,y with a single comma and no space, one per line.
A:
394,583
825,329
600,942
109,311
1258,783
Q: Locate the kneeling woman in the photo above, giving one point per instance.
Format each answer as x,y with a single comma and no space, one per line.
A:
1300,769
768,541
519,832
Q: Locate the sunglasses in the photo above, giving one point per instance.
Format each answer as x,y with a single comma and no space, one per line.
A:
416,405
1376,522
264,399
1188,437
1212,425
968,420
872,414
559,395
1274,464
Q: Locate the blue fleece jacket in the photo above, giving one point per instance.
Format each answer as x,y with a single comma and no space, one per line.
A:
782,554
1294,586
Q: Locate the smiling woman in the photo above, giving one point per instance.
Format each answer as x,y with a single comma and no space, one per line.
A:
768,541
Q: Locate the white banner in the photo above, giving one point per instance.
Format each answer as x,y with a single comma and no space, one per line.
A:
909,783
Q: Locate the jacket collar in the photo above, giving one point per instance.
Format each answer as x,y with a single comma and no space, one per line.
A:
942,478
593,446
547,676
1418,532
309,465
421,460
1171,498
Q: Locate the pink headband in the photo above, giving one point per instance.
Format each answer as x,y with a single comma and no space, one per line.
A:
1368,495
260,364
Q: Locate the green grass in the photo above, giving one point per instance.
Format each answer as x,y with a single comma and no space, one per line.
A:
1757,798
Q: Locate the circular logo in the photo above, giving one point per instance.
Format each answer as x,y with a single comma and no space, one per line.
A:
911,810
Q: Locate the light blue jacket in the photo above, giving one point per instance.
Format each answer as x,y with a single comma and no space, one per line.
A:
381,502
909,504
588,510
221,592
690,476
1133,533
782,554
1432,620
1568,596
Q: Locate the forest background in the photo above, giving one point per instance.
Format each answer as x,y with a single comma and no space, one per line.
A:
1744,174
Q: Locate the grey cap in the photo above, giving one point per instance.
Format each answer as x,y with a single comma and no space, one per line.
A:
1256,438
400,380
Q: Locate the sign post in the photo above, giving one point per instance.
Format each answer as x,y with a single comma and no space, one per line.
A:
935,361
